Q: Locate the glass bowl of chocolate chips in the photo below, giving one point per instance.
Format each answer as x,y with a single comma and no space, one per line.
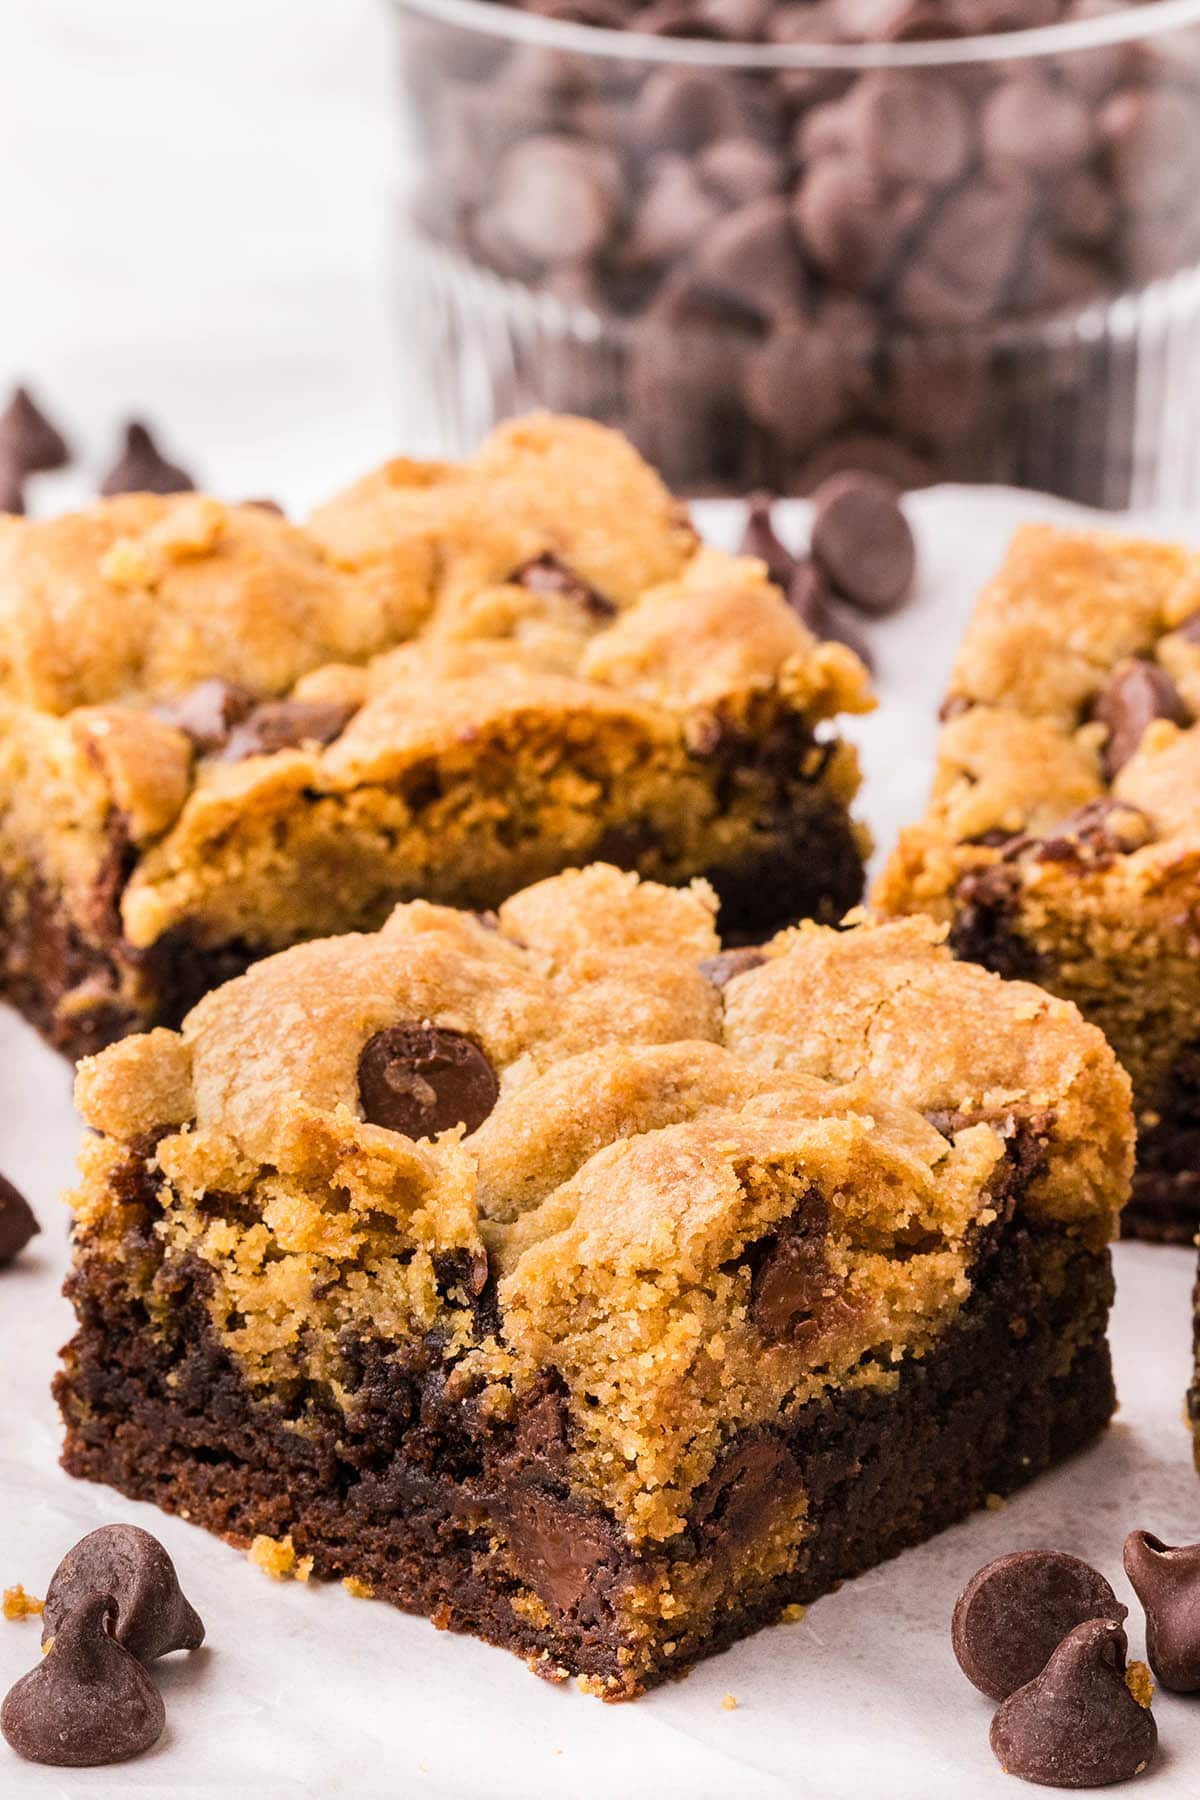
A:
771,239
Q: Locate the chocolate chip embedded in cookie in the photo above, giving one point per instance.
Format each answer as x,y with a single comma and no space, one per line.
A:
17,1222
1013,1614
863,542
208,712
546,575
287,725
1137,693
152,1616
1079,1724
1166,1579
422,1080
141,468
89,1702
722,968
791,1281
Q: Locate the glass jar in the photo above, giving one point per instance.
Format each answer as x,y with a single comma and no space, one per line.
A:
970,259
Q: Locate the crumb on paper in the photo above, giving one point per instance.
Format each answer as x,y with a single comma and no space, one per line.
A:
729,1703
17,1604
277,1558
792,1615
1140,1683
995,1502
356,1586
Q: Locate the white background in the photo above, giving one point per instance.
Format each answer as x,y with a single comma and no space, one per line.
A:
194,211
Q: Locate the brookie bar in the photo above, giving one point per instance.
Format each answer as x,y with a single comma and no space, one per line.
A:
220,733
1062,839
588,1288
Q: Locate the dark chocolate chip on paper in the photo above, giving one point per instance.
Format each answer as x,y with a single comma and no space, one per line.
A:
12,491
141,467
759,539
17,1222
152,1617
1077,1724
89,1702
1166,1579
1017,1609
29,443
862,541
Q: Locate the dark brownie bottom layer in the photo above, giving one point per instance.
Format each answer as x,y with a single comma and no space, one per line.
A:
446,1518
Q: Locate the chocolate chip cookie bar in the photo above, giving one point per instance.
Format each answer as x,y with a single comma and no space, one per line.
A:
1062,839
588,1287
221,734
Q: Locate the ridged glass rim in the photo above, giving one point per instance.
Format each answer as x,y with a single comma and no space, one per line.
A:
497,19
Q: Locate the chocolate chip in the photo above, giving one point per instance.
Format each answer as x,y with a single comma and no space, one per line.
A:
741,169
123,1561
12,492
89,1702
1033,125
751,258
853,226
546,575
1166,1579
17,1223
1014,1613
790,1278
555,199
276,725
261,504
208,712
1138,692
422,1080
909,127
29,443
568,1557
1077,1724
726,965
141,467
752,1477
862,541
759,540
811,598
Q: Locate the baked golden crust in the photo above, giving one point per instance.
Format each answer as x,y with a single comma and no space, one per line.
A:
650,1131
1062,835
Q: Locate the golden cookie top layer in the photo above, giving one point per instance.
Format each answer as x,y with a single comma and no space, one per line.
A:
1071,715
177,656
574,1108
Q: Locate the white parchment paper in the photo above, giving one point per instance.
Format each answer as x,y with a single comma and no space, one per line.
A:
302,1691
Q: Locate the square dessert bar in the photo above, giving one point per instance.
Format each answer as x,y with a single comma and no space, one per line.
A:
1062,839
584,1286
221,734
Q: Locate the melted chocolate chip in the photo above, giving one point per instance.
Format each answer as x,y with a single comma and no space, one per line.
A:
141,468
790,1278
17,1222
759,540
276,725
89,1702
152,1616
1166,1579
546,575
750,1479
722,968
1077,1725
1015,1612
863,542
1138,692
570,1559
421,1080
29,443
208,712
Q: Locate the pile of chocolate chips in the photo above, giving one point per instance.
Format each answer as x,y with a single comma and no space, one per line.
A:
862,557
31,444
1042,1633
113,1606
800,269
